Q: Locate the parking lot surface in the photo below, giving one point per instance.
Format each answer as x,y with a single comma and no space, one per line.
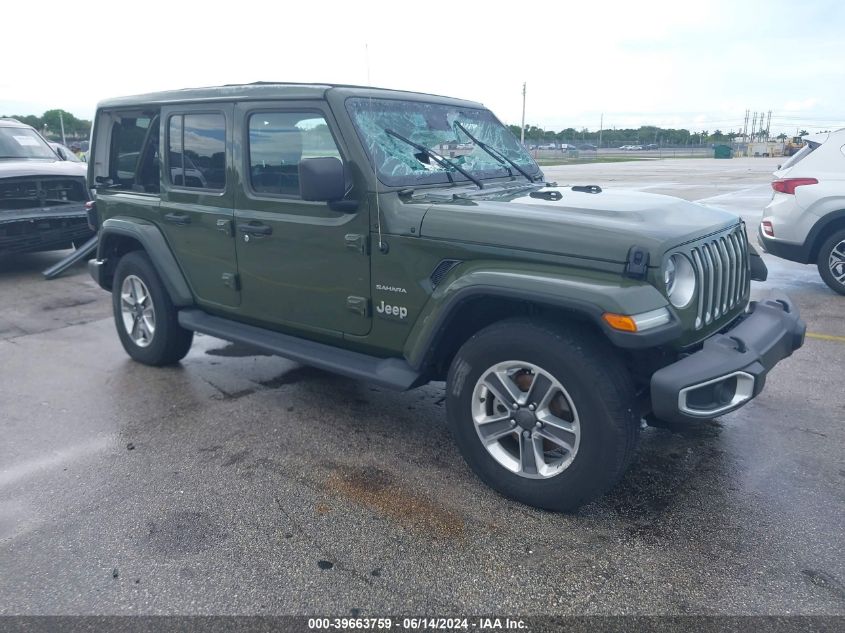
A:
238,483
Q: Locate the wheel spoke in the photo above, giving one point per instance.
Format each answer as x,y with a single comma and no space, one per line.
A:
836,262
557,436
136,324
134,289
494,429
502,387
550,419
540,389
148,327
530,458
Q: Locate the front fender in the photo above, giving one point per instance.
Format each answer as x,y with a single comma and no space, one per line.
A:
588,294
152,241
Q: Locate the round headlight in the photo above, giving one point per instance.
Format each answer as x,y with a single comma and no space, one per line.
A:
679,277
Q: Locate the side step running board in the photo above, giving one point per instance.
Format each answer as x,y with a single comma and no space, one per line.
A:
391,373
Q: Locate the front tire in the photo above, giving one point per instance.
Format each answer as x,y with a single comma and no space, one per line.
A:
144,315
831,262
542,413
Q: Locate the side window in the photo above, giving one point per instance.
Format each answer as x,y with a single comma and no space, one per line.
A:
133,159
196,146
278,141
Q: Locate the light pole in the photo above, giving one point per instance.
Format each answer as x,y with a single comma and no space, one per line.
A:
522,128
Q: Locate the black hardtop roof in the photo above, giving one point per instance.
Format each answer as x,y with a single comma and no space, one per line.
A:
262,90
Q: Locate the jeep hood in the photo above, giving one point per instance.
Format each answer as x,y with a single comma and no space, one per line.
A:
558,220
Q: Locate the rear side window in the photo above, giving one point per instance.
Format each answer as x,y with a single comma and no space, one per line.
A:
133,160
196,145
278,141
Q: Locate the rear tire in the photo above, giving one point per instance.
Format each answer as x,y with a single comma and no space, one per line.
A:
144,315
831,262
590,410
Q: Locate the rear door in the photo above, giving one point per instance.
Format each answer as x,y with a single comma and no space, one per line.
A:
197,199
302,264
128,158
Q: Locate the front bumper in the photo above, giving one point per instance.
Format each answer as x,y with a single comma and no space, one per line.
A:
784,250
43,229
730,369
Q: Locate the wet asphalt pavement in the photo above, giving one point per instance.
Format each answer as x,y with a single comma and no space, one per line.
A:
238,483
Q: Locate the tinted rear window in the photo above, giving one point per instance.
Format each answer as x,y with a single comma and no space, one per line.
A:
197,151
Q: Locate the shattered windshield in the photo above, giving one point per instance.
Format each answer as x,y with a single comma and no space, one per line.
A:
433,125
21,142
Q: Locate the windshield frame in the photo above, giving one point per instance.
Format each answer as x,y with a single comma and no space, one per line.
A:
15,130
439,178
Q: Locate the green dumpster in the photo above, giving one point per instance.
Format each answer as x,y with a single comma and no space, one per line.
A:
722,151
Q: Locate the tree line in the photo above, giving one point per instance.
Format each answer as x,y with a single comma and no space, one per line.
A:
50,124
642,135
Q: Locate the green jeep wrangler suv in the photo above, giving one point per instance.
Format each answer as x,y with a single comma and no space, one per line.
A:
402,238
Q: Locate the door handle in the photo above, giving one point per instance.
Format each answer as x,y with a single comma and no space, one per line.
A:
178,218
255,228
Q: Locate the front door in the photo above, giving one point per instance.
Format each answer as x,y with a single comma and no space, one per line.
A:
302,265
197,199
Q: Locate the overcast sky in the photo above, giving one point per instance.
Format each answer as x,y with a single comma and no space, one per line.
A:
696,65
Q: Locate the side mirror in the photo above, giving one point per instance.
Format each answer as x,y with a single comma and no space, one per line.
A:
321,179
61,152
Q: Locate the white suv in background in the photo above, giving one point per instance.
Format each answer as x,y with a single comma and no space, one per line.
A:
805,220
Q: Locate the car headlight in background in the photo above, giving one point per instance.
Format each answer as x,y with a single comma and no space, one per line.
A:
679,277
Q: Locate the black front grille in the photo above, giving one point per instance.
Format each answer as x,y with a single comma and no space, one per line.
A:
37,192
722,272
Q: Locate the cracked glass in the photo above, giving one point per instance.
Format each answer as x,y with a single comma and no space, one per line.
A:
433,125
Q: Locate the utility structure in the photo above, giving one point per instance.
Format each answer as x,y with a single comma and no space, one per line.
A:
522,127
601,127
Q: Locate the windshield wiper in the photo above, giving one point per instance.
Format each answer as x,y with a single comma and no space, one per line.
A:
495,153
440,160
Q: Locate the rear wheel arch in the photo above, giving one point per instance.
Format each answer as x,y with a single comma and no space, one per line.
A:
111,249
119,236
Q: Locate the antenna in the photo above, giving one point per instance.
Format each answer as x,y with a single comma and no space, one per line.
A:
381,245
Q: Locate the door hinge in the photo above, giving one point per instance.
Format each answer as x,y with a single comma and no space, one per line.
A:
356,242
358,305
225,226
231,280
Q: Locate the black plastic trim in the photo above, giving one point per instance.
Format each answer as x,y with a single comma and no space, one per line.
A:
391,373
801,253
770,333
152,241
792,252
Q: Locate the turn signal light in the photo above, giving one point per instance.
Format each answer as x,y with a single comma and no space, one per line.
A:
768,229
788,185
620,322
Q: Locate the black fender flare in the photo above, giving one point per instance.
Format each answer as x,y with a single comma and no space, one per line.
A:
152,240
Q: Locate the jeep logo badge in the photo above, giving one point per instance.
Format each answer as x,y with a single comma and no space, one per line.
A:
395,311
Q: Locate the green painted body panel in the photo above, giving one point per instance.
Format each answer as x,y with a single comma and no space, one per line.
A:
205,250
301,275
319,266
